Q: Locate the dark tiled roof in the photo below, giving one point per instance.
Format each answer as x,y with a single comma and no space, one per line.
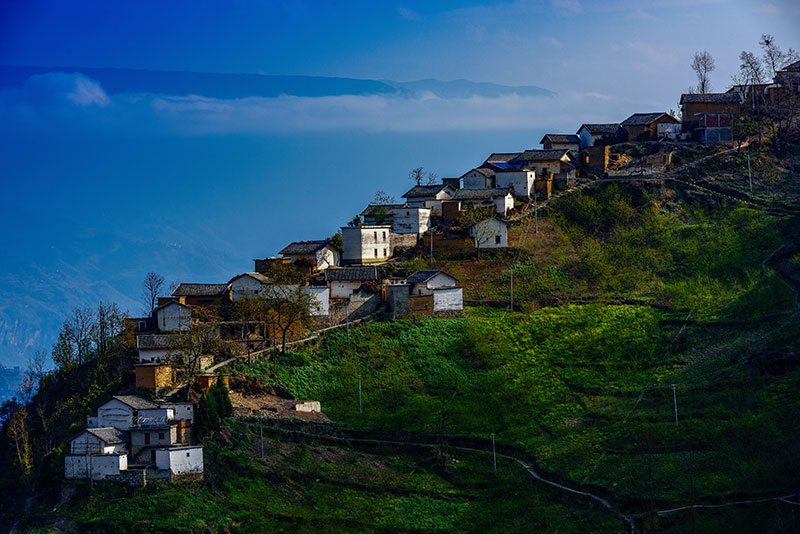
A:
359,272
478,194
420,277
601,129
561,138
502,156
199,290
258,276
554,154
109,434
643,119
709,98
793,67
156,341
134,401
304,247
387,207
483,170
425,190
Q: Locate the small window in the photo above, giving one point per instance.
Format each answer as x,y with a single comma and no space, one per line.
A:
497,239
187,454
376,252
376,235
384,236
384,252
160,435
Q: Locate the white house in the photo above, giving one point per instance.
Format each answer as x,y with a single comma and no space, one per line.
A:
501,200
520,179
490,233
104,440
173,316
480,178
157,348
184,460
429,196
346,280
408,220
366,244
155,416
247,285
320,252
424,282
96,466
448,299
147,436
119,412
181,411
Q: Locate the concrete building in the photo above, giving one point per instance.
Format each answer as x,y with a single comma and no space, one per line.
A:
410,220
120,412
521,180
366,244
318,254
501,200
490,233
344,281
480,178
173,316
180,461
429,196
95,466
157,348
247,285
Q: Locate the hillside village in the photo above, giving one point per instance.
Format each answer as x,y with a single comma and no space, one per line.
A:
371,265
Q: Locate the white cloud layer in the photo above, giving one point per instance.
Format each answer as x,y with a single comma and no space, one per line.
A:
73,101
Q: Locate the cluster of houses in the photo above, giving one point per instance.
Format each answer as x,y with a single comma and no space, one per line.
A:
134,440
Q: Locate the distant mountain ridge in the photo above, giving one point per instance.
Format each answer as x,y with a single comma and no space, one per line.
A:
232,86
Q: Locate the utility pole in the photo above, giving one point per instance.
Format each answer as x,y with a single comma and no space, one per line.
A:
431,247
494,454
359,393
260,434
536,213
347,319
749,174
675,401
512,288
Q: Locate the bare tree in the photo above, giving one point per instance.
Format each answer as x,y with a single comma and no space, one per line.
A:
110,323
151,286
774,57
418,175
201,339
475,218
17,429
382,198
703,65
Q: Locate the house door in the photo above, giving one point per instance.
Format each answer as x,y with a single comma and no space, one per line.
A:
147,438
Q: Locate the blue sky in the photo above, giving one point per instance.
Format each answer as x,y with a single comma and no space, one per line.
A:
100,187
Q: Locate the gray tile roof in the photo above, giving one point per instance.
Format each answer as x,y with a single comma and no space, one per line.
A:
643,119
387,207
136,402
358,272
156,341
709,98
109,434
793,67
483,170
561,138
420,277
554,154
258,276
601,129
304,247
480,194
199,290
425,190
502,156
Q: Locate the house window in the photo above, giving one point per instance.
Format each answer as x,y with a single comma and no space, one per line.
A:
384,236
419,291
187,454
376,235
147,438
376,252
497,239
160,435
384,252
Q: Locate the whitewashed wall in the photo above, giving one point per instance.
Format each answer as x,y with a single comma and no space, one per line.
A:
448,299
180,461
156,355
102,466
89,443
115,413
174,316
245,286
487,232
366,244
521,181
475,180
411,220
184,411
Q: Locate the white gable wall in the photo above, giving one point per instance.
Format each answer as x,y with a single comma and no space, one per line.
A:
180,461
174,316
521,181
490,233
115,413
476,180
181,411
411,220
245,286
448,299
366,244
